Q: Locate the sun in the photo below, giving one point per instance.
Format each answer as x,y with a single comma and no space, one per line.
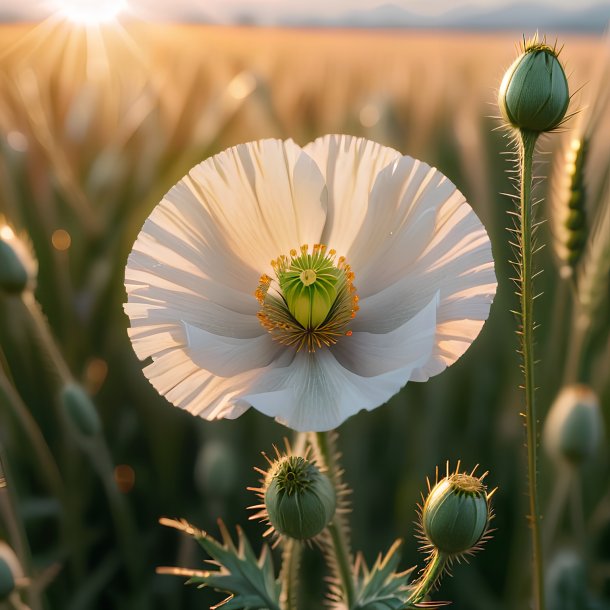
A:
91,12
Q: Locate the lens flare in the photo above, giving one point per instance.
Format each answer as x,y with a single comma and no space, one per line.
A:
91,12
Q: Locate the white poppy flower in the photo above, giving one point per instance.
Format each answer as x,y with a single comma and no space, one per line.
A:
308,283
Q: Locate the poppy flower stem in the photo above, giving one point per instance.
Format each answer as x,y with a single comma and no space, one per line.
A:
337,528
527,145
291,562
431,575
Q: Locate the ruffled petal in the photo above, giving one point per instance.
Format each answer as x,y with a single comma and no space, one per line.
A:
178,373
316,393
263,197
370,354
321,390
422,238
228,356
175,376
350,166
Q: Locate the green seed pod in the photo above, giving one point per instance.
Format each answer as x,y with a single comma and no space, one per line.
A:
80,410
17,264
456,514
534,93
300,500
573,427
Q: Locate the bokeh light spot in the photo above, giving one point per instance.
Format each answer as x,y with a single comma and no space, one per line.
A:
242,85
17,141
369,115
96,372
125,477
61,239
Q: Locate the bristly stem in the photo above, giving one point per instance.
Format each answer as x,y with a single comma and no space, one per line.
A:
434,570
290,573
527,145
337,529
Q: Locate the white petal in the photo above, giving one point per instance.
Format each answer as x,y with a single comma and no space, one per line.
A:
369,354
227,356
422,238
321,390
264,198
400,221
175,376
350,166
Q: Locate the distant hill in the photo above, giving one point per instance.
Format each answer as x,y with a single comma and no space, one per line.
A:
524,16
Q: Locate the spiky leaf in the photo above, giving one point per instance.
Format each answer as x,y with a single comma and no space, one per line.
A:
381,587
249,581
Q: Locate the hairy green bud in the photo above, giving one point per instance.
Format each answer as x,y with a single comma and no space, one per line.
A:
299,499
573,427
534,94
456,514
80,410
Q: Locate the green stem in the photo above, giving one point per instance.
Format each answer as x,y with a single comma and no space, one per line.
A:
43,333
293,549
337,528
97,450
290,573
434,570
50,474
526,157
126,532
16,531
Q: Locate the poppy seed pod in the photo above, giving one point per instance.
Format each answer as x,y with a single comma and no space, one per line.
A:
573,427
300,500
456,514
534,93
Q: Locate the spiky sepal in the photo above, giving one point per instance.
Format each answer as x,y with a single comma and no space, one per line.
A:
249,581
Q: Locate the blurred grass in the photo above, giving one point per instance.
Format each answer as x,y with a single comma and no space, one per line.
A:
95,128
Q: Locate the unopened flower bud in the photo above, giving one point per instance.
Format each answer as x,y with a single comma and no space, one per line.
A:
534,93
456,513
573,427
18,266
80,410
300,500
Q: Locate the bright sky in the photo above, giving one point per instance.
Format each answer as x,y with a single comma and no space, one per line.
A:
264,10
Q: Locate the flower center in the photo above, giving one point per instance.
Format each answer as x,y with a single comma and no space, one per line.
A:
311,300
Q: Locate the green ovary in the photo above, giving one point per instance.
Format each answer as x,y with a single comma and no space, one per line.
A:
310,286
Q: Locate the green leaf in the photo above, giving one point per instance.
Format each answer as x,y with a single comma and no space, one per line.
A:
249,581
381,588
